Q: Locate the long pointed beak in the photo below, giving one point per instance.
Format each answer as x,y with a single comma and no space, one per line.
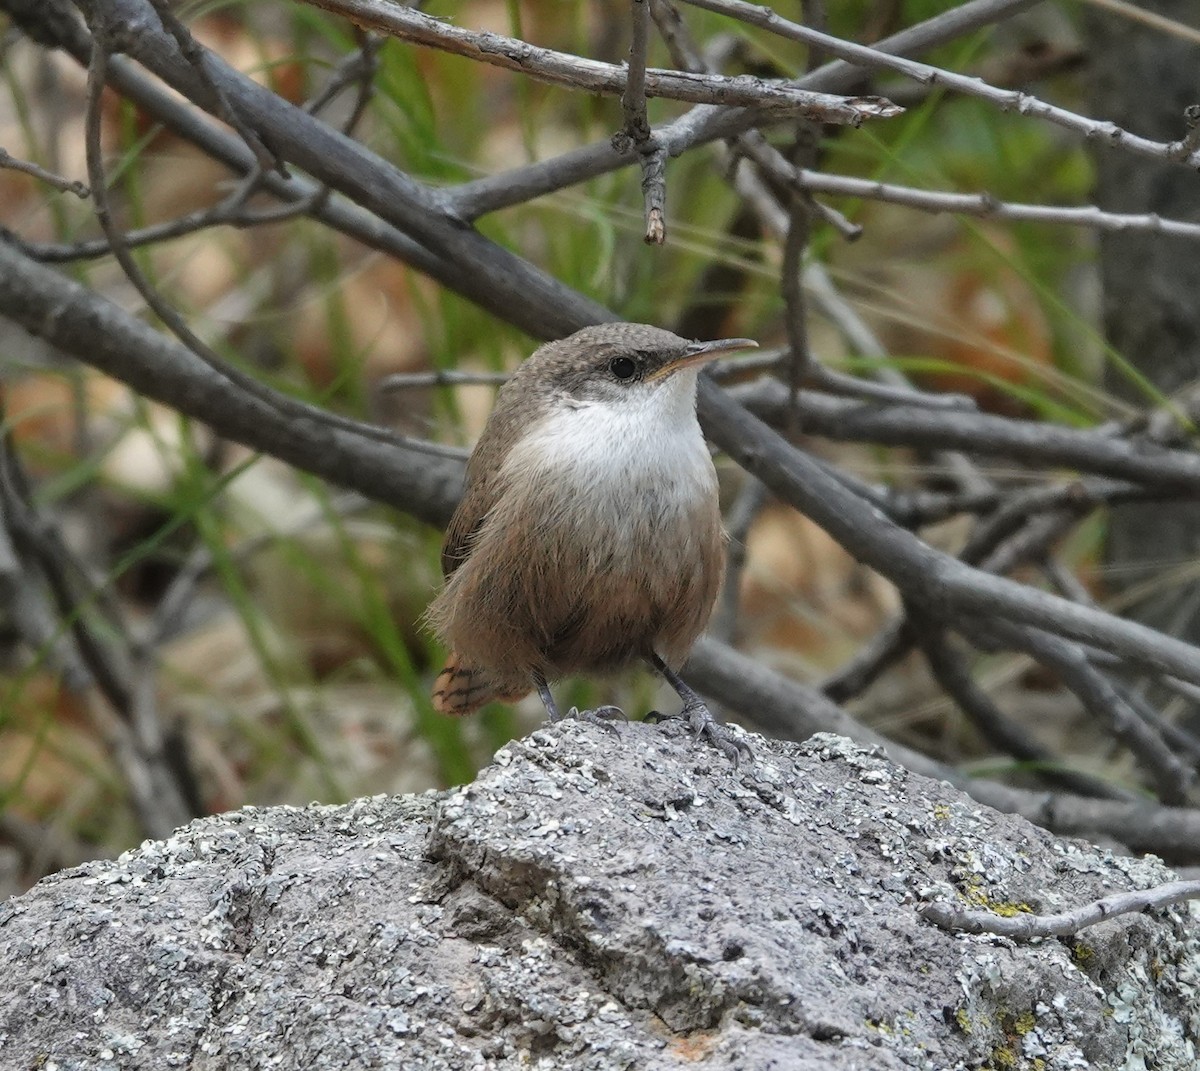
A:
702,353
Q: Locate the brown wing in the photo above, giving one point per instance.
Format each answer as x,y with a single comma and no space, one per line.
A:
516,406
477,501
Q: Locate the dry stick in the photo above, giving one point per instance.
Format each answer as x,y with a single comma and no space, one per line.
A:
66,185
1179,739
636,134
1064,923
477,198
44,546
358,69
752,144
892,386
424,231
27,606
916,508
231,211
1033,541
575,72
171,608
787,708
1069,586
442,377
220,215
842,314
534,300
986,547
1149,18
1006,100
874,658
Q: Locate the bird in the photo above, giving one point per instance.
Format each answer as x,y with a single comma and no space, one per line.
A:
589,533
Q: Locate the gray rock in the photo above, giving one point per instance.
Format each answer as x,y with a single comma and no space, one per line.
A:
598,903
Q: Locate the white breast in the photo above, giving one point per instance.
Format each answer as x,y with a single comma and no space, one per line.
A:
642,460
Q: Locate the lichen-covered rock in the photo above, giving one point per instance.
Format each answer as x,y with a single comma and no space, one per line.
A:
598,903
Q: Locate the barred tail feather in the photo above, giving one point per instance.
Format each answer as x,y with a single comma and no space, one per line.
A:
462,689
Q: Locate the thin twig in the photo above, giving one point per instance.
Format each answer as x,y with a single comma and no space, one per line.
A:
800,359
93,330
442,377
890,644
477,198
636,133
1024,927
937,581
66,185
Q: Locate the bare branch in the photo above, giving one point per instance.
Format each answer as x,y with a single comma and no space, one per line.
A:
560,68
1064,924
1172,778
474,199
950,670
986,206
1006,100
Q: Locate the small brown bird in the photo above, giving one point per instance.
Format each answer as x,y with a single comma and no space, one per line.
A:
589,534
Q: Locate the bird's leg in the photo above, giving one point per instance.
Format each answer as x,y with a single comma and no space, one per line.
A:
699,718
602,716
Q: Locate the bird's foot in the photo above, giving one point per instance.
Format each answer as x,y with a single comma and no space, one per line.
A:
605,717
705,727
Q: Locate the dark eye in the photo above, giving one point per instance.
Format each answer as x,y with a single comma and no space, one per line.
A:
622,367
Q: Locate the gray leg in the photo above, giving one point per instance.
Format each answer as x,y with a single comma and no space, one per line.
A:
543,690
602,716
699,718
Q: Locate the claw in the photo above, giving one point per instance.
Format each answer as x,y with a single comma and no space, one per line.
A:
602,716
705,727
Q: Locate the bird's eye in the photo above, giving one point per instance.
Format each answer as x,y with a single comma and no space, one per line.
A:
622,367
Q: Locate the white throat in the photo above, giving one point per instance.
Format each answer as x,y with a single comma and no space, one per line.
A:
647,442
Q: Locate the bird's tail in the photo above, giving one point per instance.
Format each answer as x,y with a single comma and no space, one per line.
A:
462,689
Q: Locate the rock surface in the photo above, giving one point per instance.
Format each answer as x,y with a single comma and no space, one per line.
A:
598,903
